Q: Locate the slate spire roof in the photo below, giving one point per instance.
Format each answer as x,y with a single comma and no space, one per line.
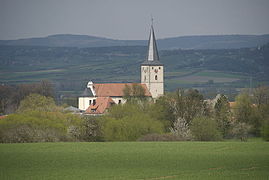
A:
152,47
153,56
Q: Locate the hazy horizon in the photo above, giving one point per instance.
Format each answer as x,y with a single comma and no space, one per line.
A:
130,20
139,39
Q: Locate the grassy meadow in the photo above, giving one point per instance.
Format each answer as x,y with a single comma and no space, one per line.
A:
135,160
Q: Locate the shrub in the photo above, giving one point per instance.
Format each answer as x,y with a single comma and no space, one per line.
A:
130,128
34,126
205,129
36,102
128,122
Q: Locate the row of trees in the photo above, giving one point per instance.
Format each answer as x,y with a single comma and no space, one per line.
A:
181,115
185,115
11,95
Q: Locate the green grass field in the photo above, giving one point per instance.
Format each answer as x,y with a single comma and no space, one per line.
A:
135,160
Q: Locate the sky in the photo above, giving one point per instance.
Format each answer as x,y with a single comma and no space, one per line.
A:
131,19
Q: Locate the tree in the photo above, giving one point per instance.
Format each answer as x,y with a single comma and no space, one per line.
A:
36,102
40,126
205,129
91,128
243,108
11,96
187,105
127,92
45,88
134,92
240,130
5,98
138,91
128,122
181,129
265,129
261,99
261,96
247,112
222,114
161,111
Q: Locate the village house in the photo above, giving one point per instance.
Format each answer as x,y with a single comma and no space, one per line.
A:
98,97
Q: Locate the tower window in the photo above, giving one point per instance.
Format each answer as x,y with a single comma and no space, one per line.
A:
119,101
94,102
156,77
90,102
159,67
145,78
152,68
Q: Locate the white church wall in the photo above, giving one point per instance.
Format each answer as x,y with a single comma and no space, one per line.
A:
84,102
156,89
153,77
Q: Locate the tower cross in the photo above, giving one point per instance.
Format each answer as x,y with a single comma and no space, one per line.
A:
152,20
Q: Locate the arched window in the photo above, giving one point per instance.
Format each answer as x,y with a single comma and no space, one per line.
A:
156,77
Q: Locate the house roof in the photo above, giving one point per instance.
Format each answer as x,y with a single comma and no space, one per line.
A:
232,104
102,103
3,116
87,93
72,109
115,89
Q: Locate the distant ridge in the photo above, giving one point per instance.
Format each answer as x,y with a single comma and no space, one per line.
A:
183,42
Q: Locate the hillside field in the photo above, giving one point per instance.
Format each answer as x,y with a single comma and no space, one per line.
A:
135,160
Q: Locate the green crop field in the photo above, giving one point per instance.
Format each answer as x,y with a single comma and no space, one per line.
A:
135,160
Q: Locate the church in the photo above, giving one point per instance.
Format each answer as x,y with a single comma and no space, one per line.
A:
98,97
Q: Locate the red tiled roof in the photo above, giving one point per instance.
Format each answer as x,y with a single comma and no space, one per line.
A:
3,116
115,89
102,103
232,104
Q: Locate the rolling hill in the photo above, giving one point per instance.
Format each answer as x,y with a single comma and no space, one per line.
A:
184,42
69,68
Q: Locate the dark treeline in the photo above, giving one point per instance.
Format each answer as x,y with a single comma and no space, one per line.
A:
11,95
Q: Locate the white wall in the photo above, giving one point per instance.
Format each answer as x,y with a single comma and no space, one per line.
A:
116,100
84,102
148,73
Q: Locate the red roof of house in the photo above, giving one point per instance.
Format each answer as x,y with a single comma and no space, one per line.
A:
101,104
232,104
3,116
115,89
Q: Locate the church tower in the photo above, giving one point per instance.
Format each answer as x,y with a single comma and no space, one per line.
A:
152,70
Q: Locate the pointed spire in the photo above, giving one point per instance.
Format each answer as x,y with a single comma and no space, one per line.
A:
152,57
152,51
